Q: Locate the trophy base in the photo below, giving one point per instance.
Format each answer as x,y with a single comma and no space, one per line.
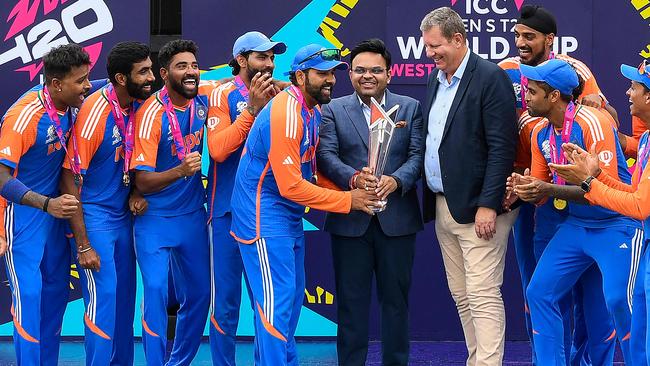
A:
381,207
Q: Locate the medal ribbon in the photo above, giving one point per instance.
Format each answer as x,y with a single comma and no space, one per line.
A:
126,129
179,142
557,157
311,127
241,87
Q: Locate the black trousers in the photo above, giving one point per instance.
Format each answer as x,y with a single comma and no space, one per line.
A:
356,259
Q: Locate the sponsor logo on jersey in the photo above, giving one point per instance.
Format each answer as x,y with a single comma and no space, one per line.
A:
117,138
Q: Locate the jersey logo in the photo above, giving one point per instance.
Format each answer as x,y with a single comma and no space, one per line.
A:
517,87
287,161
117,138
546,150
51,135
241,106
213,122
201,112
140,158
623,246
170,136
606,157
6,151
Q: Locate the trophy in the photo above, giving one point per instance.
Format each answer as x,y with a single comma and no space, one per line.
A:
381,132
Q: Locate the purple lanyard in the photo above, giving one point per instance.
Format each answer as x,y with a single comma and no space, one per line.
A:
643,152
557,157
173,123
524,85
311,128
75,163
126,129
241,87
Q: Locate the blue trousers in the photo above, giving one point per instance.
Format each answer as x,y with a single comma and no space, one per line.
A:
275,268
109,296
573,249
640,341
227,269
183,241
38,269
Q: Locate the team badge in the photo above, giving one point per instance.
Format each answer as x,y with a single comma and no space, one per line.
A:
201,112
213,122
606,157
51,135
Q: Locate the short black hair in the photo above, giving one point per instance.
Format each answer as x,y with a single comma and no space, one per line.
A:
235,65
172,48
59,61
374,45
122,57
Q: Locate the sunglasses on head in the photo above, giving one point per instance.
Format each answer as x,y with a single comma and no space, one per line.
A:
329,54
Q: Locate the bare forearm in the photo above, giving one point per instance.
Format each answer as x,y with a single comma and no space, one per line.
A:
77,223
568,193
152,182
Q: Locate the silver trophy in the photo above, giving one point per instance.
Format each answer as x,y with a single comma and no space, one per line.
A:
381,133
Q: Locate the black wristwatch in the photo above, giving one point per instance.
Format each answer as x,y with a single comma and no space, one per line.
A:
586,184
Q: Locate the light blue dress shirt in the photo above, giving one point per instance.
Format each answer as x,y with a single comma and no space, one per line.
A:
437,120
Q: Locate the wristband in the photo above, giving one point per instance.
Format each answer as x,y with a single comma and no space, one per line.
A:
46,203
14,190
84,250
353,180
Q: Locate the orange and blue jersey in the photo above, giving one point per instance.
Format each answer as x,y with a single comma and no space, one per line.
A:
590,126
272,184
29,144
227,130
101,156
155,151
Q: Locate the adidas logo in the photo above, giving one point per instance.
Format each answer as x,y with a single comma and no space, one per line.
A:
140,157
6,151
287,161
623,246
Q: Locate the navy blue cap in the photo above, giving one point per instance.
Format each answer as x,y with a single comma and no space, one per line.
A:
304,61
256,41
556,73
634,74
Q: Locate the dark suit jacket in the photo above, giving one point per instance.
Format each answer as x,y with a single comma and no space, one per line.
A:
477,150
343,149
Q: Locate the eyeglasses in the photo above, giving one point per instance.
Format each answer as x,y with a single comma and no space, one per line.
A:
643,68
373,70
329,54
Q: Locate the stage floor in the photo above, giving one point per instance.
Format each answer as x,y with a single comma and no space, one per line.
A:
310,353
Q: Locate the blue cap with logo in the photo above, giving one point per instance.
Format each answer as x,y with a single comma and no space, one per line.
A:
639,74
256,41
315,56
556,73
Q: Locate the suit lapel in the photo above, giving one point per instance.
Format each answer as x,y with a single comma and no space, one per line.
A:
462,88
353,109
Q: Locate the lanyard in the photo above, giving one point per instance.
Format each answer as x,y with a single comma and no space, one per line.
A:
557,157
126,129
241,87
524,85
75,164
173,123
643,152
311,129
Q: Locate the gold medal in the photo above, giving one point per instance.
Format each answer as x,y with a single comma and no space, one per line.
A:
126,179
559,204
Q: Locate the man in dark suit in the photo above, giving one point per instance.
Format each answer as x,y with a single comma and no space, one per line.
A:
470,135
382,244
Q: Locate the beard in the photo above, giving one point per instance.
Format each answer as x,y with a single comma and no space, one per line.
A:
316,91
250,72
179,88
137,90
535,59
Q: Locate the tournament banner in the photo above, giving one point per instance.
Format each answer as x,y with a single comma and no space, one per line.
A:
601,34
28,30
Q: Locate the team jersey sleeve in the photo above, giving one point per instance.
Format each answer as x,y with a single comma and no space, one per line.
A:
632,142
526,125
285,160
88,132
634,204
148,124
538,166
224,135
18,134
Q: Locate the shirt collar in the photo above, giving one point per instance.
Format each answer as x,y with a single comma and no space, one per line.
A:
382,103
442,76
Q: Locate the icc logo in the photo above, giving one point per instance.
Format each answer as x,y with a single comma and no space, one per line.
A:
117,138
546,149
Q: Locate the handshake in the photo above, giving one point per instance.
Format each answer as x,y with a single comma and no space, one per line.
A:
369,193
